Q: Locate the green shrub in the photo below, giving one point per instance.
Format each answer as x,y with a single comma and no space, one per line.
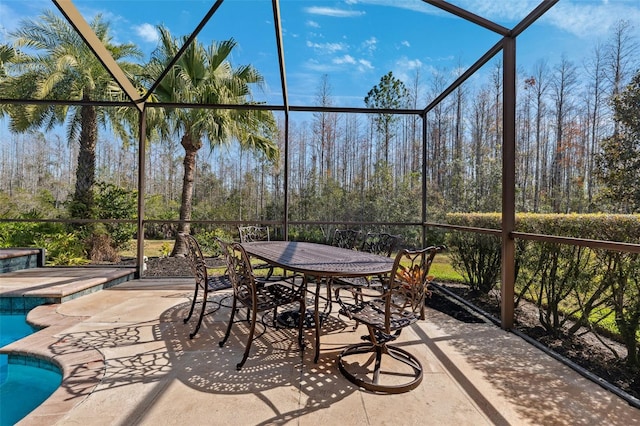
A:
62,249
622,275
208,244
114,202
475,256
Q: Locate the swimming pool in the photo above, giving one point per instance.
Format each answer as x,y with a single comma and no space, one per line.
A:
25,382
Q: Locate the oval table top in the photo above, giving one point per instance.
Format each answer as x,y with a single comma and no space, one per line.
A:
319,259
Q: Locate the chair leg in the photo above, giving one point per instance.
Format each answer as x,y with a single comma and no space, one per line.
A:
303,311
252,330
228,332
193,304
274,322
205,296
376,369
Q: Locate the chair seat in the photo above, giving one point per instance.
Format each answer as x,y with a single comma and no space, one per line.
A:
219,282
270,296
371,282
372,313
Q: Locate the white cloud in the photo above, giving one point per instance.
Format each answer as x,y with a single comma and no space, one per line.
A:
583,18
405,43
327,48
333,12
405,69
364,65
370,44
409,64
313,24
147,32
319,67
346,59
578,17
510,11
361,65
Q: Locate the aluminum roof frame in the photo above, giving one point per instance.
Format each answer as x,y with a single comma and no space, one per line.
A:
507,45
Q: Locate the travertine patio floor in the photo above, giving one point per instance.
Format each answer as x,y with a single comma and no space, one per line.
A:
127,359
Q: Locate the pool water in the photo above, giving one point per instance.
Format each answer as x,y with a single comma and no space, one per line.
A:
23,384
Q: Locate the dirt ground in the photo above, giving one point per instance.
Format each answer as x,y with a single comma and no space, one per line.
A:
602,357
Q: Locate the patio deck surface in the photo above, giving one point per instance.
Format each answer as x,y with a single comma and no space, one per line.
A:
127,359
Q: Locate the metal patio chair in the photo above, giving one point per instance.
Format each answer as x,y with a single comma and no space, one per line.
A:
257,297
253,233
250,234
203,281
401,305
345,238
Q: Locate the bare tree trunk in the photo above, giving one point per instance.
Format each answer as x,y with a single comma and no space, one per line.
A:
597,74
565,80
85,173
620,59
191,149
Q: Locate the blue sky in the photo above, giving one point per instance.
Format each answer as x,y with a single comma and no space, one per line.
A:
354,42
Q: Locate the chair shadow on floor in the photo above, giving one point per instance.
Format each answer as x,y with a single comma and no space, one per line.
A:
275,362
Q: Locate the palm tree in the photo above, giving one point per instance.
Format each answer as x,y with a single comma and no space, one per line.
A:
56,64
205,76
7,55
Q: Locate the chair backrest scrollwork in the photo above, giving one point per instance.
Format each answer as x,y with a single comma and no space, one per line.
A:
239,270
380,243
253,233
345,238
409,280
196,259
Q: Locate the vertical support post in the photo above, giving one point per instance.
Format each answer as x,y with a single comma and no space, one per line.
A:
142,131
424,178
508,181
286,177
277,22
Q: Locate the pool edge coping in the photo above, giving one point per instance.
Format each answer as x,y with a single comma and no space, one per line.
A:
82,369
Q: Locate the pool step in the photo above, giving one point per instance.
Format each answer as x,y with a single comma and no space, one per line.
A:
22,290
16,259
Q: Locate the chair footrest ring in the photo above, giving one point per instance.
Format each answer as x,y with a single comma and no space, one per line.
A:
402,371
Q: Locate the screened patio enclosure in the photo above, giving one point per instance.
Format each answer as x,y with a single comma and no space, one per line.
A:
504,48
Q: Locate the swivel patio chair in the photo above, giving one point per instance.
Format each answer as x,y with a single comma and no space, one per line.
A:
401,305
203,281
256,296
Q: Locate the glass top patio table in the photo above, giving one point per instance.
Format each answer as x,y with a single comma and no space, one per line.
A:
320,261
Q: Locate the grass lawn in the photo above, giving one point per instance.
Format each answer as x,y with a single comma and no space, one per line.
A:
152,248
442,270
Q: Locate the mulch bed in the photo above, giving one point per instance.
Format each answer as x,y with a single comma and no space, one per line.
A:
175,266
